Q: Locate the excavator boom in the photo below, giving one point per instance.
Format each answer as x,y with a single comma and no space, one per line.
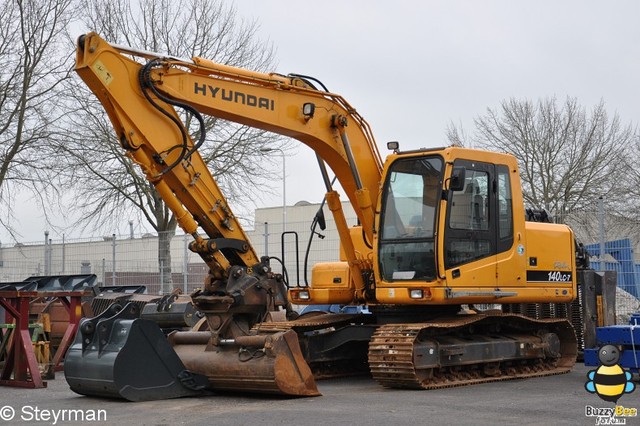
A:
143,101
146,123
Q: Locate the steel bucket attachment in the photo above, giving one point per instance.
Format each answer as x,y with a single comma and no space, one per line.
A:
269,363
122,356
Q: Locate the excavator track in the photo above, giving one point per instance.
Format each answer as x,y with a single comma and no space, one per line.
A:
436,354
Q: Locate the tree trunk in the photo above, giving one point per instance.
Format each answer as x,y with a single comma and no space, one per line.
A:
164,260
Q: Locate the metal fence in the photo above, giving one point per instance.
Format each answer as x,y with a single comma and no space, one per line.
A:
116,260
611,239
618,256
138,260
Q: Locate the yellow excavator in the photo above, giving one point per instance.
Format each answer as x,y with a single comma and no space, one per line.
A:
440,231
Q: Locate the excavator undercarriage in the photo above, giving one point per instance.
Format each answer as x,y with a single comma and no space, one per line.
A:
446,351
469,349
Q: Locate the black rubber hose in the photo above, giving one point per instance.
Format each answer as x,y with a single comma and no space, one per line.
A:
146,83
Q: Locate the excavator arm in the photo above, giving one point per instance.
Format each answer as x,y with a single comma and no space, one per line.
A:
149,98
141,100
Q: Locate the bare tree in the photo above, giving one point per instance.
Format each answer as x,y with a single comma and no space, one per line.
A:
33,66
621,214
113,187
568,157
632,179
617,215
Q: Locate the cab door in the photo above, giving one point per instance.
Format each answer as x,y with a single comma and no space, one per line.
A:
470,243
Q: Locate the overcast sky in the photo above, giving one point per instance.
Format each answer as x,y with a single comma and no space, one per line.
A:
411,67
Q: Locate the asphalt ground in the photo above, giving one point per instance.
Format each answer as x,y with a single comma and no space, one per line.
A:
554,400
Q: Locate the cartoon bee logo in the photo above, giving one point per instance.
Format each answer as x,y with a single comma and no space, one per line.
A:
609,381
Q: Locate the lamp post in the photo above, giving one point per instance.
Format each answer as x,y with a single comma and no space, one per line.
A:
284,185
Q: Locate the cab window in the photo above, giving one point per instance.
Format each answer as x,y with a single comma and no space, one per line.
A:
408,218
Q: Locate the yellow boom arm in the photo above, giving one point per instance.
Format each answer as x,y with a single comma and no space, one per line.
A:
140,100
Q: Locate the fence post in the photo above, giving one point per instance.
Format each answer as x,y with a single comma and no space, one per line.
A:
162,276
46,253
50,256
64,257
113,259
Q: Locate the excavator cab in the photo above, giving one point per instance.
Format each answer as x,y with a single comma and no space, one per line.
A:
450,229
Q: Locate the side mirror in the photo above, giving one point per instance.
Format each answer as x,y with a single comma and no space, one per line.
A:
456,183
320,219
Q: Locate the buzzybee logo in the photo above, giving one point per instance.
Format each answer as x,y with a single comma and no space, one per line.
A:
609,381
